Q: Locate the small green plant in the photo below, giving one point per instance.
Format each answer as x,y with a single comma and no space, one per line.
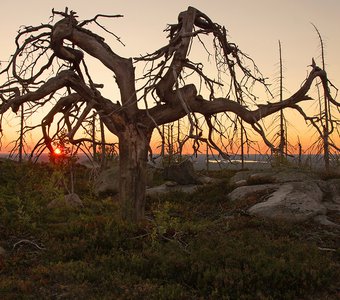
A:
164,224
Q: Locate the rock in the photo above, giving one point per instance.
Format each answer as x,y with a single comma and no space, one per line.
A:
90,164
273,176
331,190
151,173
170,183
242,175
241,182
182,173
206,180
294,201
107,182
323,220
262,177
293,175
243,192
336,170
164,188
70,201
2,251
334,189
73,200
298,195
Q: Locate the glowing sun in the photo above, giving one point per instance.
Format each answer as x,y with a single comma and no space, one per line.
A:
57,151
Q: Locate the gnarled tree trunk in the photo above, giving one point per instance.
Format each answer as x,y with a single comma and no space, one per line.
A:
133,155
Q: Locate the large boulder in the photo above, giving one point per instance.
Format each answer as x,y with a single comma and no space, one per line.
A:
182,173
293,201
107,182
243,192
291,194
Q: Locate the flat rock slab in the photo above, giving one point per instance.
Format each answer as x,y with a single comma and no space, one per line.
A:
293,176
243,192
294,201
166,188
272,176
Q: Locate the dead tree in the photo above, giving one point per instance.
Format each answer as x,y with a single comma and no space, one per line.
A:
167,91
280,130
283,141
95,157
325,116
20,147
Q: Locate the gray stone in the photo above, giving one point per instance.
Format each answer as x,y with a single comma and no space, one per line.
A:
162,189
207,180
294,201
242,175
3,252
336,170
70,201
323,220
331,190
334,189
243,192
293,175
170,183
271,176
182,173
73,200
107,181
241,182
262,177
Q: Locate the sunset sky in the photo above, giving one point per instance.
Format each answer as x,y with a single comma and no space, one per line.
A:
255,26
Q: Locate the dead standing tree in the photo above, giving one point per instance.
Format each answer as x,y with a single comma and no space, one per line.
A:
66,44
324,123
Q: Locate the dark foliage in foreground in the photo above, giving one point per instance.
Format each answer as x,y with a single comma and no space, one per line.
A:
189,247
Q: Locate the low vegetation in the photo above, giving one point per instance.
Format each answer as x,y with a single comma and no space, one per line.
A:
197,246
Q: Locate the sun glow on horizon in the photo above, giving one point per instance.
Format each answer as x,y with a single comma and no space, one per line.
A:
57,151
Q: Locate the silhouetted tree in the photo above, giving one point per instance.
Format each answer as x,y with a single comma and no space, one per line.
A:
280,129
324,123
50,62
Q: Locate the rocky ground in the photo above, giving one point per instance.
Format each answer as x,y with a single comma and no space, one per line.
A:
290,194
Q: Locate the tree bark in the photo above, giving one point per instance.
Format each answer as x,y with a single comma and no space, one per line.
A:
133,154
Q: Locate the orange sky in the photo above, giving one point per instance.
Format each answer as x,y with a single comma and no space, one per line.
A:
256,26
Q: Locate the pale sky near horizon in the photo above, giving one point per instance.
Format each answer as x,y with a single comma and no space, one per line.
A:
256,26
